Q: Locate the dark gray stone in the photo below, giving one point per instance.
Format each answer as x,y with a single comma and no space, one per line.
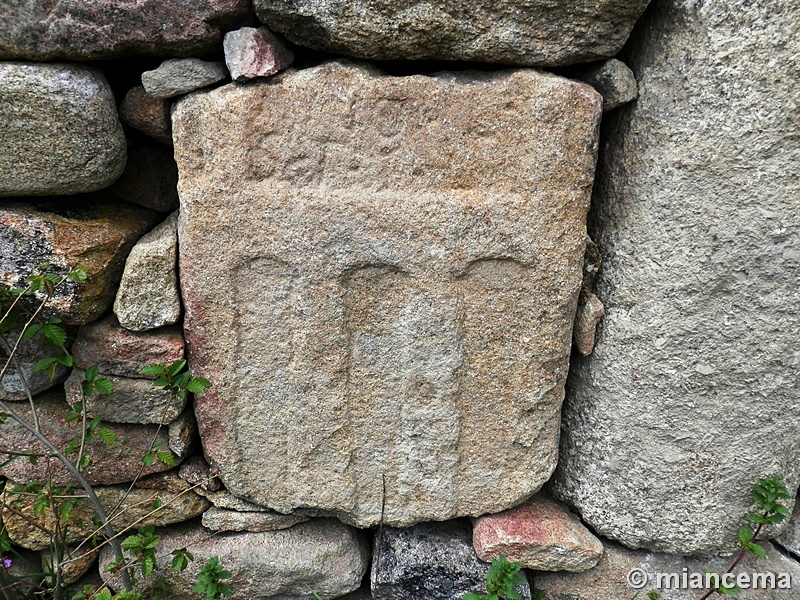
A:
182,75
434,561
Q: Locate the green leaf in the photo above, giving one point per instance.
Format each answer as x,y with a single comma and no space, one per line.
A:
107,436
148,459
198,385
181,559
153,370
756,550
31,331
103,385
166,458
66,360
745,534
44,363
176,367
91,373
54,334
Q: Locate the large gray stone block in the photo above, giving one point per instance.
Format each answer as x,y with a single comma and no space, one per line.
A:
514,32
691,394
60,132
380,277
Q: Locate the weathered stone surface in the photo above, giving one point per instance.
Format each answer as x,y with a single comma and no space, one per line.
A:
134,508
60,133
147,114
224,499
77,562
515,32
587,317
182,433
691,395
608,580
251,53
613,80
132,401
398,316
148,296
540,534
790,538
195,471
117,351
178,76
94,232
150,179
222,519
112,464
94,29
322,555
28,353
435,561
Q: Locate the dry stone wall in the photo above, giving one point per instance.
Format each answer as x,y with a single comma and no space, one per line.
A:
384,270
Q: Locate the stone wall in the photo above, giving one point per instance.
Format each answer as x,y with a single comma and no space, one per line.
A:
366,224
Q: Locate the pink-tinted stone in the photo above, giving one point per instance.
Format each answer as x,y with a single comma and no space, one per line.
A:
94,29
94,231
117,351
251,53
147,114
115,463
540,534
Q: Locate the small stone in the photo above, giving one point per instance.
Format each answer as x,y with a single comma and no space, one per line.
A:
117,351
60,132
112,464
77,560
613,80
95,232
147,114
323,556
540,534
13,384
178,76
609,579
224,499
222,519
195,471
251,53
790,537
434,561
150,178
587,317
131,401
182,433
133,507
148,296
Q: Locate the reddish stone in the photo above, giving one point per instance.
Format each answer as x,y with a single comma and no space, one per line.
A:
118,463
95,29
149,115
251,53
93,231
540,534
117,351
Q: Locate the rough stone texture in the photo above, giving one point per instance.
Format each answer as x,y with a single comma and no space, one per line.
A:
435,561
613,80
540,534
790,538
322,555
391,336
148,296
28,353
691,393
60,132
251,53
94,232
515,32
178,76
195,471
132,401
150,179
608,580
95,29
222,519
78,562
112,464
117,351
224,499
182,433
32,530
588,316
147,114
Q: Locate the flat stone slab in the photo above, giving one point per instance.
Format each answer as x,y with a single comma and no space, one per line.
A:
178,76
380,277
97,29
514,32
691,394
83,153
